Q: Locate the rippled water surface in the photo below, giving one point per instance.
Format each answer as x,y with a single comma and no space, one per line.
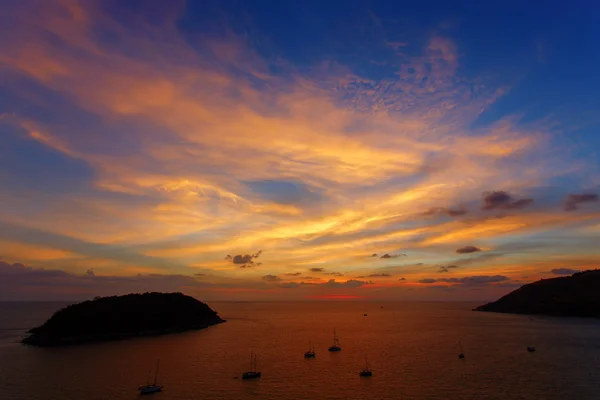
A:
412,349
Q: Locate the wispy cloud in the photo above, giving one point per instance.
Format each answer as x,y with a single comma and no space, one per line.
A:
201,145
451,212
20,282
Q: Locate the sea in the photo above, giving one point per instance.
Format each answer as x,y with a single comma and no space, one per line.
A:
412,349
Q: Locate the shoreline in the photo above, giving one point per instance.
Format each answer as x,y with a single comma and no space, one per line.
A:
70,341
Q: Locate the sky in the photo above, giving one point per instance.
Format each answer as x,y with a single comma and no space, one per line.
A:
297,150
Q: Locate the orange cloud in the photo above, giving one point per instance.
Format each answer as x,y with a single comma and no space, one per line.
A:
180,129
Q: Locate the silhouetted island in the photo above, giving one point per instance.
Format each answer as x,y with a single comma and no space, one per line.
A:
119,317
577,295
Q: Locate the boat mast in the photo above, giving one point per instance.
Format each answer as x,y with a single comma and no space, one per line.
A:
156,374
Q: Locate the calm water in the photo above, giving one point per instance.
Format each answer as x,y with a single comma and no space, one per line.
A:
412,349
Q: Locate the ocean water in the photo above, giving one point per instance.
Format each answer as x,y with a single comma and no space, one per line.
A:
412,349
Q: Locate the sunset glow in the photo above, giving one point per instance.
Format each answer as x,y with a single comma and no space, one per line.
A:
165,148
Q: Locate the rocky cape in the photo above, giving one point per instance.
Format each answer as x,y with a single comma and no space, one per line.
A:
577,295
120,317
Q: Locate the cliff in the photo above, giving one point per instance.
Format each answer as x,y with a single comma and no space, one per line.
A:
577,295
119,317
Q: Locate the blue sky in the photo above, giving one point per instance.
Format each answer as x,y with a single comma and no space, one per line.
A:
147,141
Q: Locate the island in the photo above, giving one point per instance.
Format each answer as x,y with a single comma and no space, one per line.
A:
120,317
577,295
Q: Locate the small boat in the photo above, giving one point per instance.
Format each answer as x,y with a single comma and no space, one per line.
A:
365,315
336,343
367,370
311,351
462,353
151,388
530,349
253,373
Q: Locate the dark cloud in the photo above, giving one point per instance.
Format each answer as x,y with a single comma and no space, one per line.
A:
386,255
317,269
564,271
451,212
573,200
242,259
271,278
374,255
352,283
468,249
402,279
199,275
292,285
456,212
334,273
90,272
293,274
500,200
245,260
379,276
476,280
447,268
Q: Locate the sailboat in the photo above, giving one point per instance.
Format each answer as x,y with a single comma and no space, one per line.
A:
311,351
531,349
367,370
336,343
253,373
151,388
462,354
